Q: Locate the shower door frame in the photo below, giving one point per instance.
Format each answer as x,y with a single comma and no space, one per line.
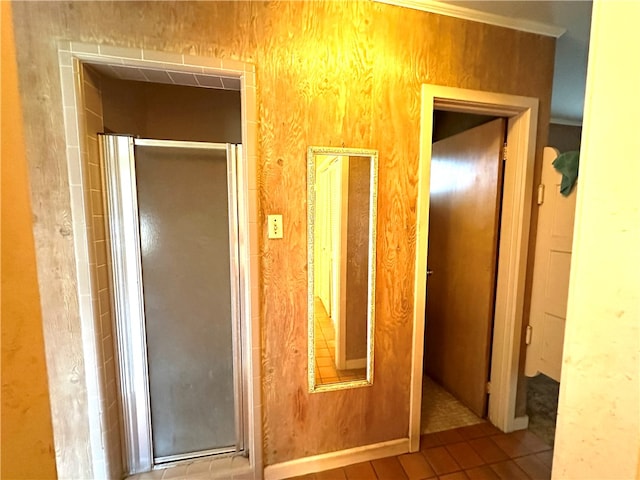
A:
118,154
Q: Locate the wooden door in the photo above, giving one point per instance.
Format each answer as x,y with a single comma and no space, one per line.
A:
466,189
551,267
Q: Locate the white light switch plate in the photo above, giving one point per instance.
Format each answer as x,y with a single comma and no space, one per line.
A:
275,226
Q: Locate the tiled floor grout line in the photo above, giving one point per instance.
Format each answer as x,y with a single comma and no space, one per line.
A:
441,411
327,372
515,463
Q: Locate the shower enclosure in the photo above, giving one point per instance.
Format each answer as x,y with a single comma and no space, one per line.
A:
172,218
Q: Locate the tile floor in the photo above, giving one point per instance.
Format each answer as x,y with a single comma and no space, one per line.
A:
441,410
325,348
475,452
542,407
456,444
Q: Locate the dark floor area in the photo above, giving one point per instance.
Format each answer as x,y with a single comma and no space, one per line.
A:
542,407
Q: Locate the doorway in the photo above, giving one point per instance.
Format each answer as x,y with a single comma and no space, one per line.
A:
81,65
521,115
173,228
464,223
172,210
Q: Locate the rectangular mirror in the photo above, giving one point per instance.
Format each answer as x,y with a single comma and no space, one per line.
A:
341,206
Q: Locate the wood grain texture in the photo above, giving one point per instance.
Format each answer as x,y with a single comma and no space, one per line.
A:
52,228
328,73
464,212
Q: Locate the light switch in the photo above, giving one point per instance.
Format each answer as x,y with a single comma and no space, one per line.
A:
275,226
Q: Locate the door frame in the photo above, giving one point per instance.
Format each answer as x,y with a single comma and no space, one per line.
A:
522,120
338,258
89,435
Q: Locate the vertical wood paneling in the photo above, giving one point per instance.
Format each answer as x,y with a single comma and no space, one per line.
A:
328,73
52,225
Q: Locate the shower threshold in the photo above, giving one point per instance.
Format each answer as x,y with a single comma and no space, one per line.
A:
194,455
203,468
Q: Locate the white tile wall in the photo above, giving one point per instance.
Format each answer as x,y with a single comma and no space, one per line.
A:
100,288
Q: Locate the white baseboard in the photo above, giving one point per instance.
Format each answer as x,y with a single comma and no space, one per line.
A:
356,363
341,458
520,423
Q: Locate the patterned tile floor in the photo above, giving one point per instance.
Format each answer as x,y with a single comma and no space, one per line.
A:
456,445
441,410
542,407
475,452
325,350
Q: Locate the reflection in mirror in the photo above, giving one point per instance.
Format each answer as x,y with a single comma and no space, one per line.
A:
342,196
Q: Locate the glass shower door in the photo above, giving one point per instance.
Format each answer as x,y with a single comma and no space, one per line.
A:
183,336
183,206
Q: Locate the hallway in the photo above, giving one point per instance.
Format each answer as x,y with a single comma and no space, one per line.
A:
475,452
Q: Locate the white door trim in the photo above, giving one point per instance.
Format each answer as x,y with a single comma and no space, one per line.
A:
522,120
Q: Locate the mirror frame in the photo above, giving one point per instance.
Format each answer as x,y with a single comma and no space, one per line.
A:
371,269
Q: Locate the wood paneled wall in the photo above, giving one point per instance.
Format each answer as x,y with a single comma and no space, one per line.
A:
328,73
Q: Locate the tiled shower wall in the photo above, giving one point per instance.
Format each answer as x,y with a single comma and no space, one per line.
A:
98,264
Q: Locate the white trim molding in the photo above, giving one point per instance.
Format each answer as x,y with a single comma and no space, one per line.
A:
522,120
331,460
441,8
521,423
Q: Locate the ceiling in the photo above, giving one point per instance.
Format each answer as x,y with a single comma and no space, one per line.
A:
571,48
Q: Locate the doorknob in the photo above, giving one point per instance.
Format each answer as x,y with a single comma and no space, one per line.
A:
429,273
